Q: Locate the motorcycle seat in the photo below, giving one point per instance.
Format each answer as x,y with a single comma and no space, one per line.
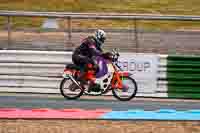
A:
72,66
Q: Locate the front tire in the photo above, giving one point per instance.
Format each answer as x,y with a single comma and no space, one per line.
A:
127,95
70,93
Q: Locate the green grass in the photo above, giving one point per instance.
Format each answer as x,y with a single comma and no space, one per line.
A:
175,7
134,6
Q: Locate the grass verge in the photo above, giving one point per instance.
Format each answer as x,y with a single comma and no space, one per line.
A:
183,7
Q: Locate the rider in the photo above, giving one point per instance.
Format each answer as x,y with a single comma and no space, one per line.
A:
89,48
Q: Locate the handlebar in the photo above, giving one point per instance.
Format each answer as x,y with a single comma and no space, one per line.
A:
113,56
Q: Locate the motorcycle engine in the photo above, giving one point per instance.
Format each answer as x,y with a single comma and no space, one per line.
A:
95,88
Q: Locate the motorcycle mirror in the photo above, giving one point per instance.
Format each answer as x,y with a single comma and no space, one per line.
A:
113,51
117,51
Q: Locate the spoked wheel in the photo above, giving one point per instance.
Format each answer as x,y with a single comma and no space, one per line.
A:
128,91
69,89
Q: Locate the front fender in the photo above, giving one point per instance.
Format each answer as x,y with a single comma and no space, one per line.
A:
124,74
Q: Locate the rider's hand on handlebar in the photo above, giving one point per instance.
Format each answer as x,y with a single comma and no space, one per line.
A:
107,55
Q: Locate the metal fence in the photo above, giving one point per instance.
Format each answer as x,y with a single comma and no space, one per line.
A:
128,32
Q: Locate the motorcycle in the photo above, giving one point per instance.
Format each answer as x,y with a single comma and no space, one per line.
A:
109,77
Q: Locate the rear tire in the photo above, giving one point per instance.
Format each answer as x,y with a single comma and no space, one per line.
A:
132,94
69,95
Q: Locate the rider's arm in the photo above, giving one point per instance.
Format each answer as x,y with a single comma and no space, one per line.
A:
93,50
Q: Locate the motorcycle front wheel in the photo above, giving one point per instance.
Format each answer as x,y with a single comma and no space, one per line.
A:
128,91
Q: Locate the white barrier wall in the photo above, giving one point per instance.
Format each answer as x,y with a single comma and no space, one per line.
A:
162,76
144,70
40,71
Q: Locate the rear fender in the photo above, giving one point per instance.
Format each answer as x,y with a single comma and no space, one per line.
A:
68,72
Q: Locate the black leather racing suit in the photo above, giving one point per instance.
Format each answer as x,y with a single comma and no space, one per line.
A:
83,54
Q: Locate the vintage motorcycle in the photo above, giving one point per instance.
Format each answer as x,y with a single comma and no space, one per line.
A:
110,77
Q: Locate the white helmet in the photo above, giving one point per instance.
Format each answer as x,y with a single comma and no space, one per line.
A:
100,35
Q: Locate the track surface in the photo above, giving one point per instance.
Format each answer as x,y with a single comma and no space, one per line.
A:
58,102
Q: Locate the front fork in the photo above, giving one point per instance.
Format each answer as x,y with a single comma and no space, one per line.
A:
117,81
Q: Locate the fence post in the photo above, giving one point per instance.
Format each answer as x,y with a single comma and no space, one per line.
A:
9,31
70,32
136,35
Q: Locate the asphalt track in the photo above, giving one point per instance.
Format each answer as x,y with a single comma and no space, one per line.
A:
27,101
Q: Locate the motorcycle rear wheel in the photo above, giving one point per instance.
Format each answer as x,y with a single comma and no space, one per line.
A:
71,91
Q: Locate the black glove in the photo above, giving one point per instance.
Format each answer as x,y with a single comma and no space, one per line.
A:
107,55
